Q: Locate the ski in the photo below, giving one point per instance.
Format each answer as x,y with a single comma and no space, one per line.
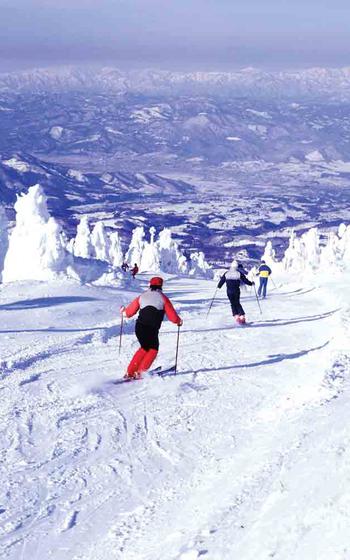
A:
162,371
124,380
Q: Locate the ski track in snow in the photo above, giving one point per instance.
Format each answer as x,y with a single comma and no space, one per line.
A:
197,465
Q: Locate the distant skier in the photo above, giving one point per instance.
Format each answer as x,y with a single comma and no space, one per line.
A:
125,266
152,306
233,279
263,273
134,270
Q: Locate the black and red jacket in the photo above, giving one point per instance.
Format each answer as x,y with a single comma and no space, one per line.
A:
152,306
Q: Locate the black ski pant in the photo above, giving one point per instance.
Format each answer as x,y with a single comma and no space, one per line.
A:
147,336
236,307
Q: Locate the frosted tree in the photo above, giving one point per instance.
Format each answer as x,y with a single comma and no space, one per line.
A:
36,248
346,254
3,239
70,245
311,248
329,254
137,244
150,260
100,242
115,250
344,243
308,253
269,255
199,266
82,243
172,260
290,252
302,253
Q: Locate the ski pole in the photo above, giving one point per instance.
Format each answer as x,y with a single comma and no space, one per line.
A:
121,332
177,347
274,284
211,303
257,299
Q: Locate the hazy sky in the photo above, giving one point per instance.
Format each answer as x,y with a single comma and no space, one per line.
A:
175,34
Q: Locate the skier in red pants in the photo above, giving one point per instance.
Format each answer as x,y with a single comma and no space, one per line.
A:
152,306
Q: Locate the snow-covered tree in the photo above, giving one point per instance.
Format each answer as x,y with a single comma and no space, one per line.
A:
82,243
115,250
269,255
172,260
303,253
309,253
199,266
150,260
36,248
100,242
311,248
329,254
3,239
70,245
134,253
344,244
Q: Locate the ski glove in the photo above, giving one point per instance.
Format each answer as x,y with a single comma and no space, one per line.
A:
180,323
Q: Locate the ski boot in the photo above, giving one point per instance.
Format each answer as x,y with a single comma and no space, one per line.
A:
133,376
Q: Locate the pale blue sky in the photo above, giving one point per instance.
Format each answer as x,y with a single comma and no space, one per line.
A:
176,34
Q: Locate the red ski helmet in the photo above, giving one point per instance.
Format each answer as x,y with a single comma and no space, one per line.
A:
156,281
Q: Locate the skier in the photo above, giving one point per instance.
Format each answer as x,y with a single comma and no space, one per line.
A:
241,268
134,270
233,278
263,273
152,306
125,266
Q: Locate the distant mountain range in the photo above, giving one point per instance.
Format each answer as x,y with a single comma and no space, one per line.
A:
314,82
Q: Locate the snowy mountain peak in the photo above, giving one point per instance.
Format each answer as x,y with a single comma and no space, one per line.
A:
326,82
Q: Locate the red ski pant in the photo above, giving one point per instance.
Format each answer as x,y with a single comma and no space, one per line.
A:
144,356
142,360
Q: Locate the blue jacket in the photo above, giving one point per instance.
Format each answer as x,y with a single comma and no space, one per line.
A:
264,271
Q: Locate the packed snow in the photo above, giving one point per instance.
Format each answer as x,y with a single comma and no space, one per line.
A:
244,453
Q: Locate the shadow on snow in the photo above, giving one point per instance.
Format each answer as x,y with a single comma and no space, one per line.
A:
271,359
44,302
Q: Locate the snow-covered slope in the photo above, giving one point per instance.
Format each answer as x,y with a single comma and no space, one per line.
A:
243,454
